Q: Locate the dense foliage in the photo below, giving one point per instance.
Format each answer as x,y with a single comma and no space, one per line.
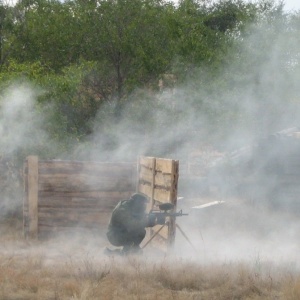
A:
198,70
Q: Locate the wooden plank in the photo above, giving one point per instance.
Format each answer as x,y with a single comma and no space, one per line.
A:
164,165
86,178
64,210
111,169
146,162
63,218
109,195
146,179
160,179
76,184
93,220
89,179
146,173
33,196
86,216
49,231
75,202
104,172
98,222
160,194
145,189
70,167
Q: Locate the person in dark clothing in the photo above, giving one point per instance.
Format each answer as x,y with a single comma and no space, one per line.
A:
128,222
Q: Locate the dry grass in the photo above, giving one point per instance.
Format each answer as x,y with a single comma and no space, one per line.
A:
63,270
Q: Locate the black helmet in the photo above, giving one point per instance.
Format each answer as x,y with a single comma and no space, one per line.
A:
139,197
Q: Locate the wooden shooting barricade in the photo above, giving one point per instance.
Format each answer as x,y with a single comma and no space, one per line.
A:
158,179
63,195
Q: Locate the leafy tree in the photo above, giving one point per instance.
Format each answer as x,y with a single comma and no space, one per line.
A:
98,55
131,40
47,32
7,37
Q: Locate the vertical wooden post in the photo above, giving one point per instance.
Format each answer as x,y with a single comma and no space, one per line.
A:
153,181
173,200
32,195
138,174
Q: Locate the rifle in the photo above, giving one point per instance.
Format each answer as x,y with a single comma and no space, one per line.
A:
160,215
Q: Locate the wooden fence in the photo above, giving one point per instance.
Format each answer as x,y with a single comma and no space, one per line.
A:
61,195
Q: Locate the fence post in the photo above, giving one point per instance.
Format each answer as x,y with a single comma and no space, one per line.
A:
32,194
173,200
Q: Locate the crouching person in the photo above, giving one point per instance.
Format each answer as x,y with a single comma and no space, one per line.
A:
127,224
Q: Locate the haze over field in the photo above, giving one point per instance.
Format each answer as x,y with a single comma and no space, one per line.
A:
257,93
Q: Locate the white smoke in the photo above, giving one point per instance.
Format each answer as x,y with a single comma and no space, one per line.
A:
22,134
260,97
20,123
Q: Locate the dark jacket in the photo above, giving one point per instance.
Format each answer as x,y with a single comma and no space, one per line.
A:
125,218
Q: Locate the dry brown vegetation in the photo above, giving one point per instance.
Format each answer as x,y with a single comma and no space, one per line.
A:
77,269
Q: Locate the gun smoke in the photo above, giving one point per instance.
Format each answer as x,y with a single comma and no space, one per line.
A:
258,101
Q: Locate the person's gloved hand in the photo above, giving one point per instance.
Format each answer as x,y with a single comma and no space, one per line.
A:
151,220
160,219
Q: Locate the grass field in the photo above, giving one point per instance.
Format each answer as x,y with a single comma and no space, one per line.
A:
76,268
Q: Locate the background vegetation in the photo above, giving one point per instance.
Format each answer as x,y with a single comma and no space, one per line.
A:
97,60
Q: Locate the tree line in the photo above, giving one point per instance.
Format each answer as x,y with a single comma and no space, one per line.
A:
100,61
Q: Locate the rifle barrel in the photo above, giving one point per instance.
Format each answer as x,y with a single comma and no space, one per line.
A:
168,214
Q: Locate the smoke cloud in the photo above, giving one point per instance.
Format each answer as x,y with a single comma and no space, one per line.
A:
21,125
256,94
21,129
